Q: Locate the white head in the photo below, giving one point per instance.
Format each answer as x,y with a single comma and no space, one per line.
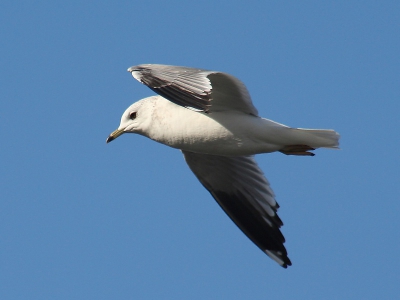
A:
134,119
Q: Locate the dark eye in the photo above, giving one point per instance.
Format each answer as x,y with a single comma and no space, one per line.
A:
132,115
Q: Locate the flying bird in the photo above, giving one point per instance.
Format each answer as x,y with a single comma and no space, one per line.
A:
210,117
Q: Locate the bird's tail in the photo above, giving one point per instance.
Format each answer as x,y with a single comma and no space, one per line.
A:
317,138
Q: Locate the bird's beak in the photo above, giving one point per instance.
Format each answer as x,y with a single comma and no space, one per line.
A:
114,135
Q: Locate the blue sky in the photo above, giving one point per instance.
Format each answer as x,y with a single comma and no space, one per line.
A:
80,219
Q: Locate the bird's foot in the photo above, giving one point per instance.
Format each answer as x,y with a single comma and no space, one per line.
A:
297,150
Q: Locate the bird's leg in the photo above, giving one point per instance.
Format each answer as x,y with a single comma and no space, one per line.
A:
297,150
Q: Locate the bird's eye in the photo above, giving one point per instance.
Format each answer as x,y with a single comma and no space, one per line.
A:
132,115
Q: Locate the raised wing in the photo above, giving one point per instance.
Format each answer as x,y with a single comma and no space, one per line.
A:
196,89
242,191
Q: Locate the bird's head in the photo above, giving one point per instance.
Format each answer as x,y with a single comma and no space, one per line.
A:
131,121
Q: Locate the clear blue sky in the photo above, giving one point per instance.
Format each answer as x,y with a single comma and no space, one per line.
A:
80,219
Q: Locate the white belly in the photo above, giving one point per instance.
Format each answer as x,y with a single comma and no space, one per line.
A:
219,133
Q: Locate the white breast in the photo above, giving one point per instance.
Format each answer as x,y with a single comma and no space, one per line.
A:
219,133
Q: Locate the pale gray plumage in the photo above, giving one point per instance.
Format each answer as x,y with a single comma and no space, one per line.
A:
209,115
198,89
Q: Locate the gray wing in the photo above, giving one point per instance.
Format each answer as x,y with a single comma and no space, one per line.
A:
197,89
242,191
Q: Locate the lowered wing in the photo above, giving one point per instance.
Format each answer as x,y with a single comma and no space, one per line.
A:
242,191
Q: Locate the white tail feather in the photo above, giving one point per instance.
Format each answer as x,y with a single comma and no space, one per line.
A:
318,138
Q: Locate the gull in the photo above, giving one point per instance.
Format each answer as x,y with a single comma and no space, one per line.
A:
210,117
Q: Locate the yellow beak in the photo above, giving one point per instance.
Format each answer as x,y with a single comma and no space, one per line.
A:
114,135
